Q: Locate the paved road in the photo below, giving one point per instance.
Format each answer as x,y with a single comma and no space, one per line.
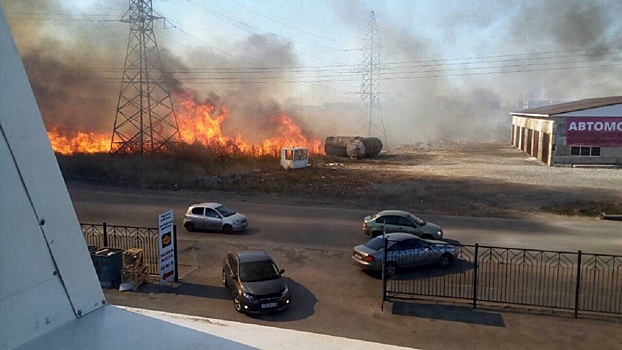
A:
331,296
313,226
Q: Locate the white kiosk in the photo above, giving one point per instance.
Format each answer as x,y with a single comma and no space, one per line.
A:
294,157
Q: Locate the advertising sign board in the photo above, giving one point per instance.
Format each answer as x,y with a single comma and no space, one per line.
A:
595,131
166,242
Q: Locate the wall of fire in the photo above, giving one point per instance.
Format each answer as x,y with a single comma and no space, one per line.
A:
545,139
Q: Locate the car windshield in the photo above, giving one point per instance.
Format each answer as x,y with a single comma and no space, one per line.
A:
225,211
416,220
256,271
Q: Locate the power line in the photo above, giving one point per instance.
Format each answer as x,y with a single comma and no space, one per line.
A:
356,68
108,7
507,55
399,70
485,59
199,75
429,74
287,25
241,25
200,40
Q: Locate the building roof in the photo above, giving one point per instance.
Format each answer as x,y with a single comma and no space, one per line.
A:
571,106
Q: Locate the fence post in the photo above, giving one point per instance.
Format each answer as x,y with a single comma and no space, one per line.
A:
176,279
384,275
105,235
476,259
578,287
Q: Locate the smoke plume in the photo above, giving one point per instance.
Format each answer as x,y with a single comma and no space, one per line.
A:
553,50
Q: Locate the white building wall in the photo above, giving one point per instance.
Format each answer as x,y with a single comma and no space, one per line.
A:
44,280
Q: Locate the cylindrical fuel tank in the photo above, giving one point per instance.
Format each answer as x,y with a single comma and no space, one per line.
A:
336,145
352,146
373,146
355,148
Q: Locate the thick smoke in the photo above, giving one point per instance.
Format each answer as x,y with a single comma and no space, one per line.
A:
71,78
241,88
70,98
438,102
76,79
566,26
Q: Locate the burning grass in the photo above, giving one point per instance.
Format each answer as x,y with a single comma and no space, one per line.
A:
186,167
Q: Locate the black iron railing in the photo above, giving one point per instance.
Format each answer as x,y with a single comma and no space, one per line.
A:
548,279
125,237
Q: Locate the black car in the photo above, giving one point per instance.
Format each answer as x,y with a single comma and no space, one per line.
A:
255,282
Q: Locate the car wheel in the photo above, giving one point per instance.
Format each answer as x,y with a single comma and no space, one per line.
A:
427,237
391,269
189,227
375,234
446,260
237,305
224,278
227,229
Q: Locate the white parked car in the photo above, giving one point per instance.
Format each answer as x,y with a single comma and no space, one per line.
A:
214,217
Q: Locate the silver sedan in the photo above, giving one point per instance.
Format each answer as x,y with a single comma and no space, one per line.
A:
214,217
403,250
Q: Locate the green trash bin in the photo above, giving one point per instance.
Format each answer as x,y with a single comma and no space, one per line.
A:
108,263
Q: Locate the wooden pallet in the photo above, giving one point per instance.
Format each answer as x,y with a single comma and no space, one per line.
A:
137,275
134,271
132,257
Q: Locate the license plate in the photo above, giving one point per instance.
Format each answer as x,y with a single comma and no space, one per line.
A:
265,306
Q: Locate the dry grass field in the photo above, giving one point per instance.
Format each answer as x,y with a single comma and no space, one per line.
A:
483,179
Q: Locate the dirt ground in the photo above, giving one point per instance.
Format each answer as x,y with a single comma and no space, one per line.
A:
484,179
446,178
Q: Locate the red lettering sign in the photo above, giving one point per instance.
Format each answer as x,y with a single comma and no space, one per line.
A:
597,131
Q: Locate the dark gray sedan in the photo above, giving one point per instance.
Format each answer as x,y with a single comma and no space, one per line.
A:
403,250
255,282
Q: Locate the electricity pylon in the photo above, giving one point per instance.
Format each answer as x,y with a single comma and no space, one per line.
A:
371,121
145,119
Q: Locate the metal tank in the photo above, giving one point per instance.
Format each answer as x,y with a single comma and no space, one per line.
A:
352,146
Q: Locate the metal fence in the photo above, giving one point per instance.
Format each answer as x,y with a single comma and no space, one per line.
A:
548,279
125,237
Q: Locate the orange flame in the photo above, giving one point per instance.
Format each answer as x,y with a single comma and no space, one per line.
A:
79,142
290,135
199,123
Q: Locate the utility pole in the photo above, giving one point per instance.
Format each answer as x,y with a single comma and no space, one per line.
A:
145,120
372,121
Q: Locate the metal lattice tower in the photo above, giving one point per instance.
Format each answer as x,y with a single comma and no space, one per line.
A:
145,119
371,121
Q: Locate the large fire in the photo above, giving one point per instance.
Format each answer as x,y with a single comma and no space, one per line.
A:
78,142
198,123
